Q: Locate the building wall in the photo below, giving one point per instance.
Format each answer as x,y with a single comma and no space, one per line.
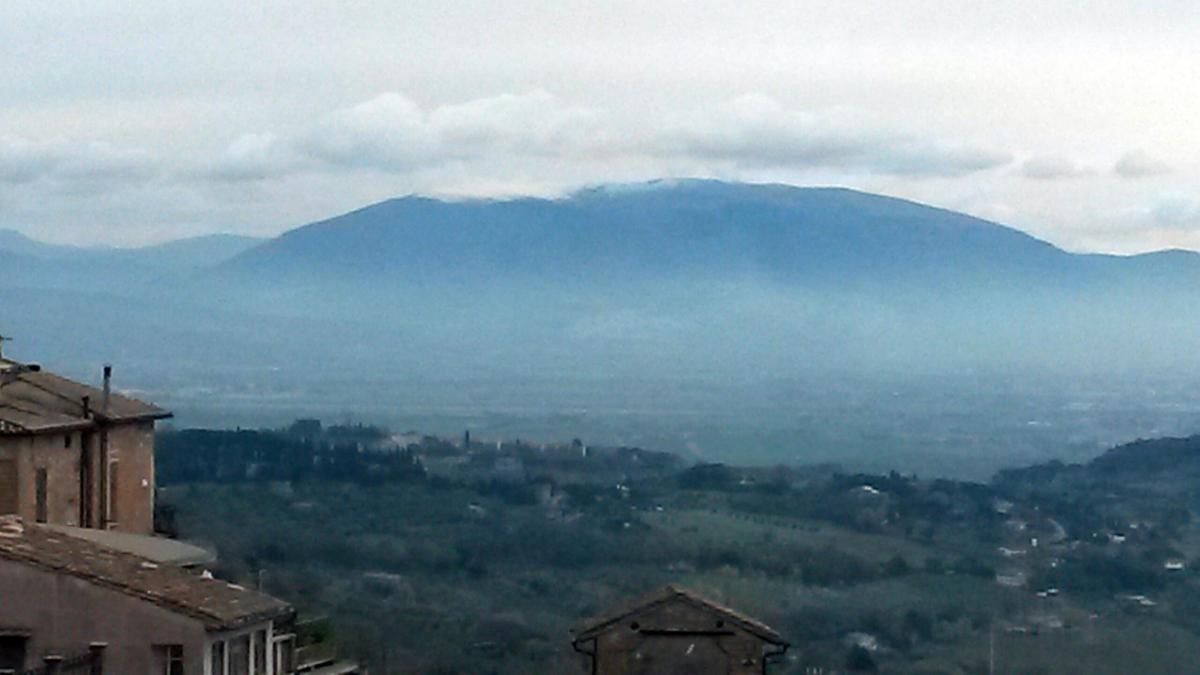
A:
62,475
130,448
677,638
63,614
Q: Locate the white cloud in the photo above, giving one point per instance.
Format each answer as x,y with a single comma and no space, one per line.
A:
252,157
392,134
757,131
1139,164
73,167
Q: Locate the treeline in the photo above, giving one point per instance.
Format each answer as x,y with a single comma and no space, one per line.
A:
215,456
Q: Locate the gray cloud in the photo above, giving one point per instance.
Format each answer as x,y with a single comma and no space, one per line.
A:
1139,164
1052,168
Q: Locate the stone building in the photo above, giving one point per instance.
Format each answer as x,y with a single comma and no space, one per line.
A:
75,455
62,595
675,630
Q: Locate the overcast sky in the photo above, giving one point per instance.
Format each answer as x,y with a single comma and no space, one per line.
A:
134,122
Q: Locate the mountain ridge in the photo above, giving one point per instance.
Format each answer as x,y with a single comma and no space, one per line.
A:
658,226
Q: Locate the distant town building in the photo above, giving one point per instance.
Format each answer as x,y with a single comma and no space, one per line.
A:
71,454
674,630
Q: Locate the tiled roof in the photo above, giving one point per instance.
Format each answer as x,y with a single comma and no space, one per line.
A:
35,401
218,604
592,627
156,548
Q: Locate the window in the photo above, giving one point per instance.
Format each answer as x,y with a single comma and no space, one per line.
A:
8,486
170,659
12,653
217,656
40,490
113,495
260,652
239,655
67,441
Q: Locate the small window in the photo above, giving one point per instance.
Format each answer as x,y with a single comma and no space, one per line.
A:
239,655
8,486
170,659
12,653
67,441
217,656
114,495
40,481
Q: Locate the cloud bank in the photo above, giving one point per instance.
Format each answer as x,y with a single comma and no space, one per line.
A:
531,142
393,134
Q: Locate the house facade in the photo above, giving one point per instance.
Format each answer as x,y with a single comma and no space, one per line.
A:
75,455
64,596
675,630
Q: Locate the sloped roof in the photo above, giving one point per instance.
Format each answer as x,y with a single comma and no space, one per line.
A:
153,547
35,401
671,593
218,604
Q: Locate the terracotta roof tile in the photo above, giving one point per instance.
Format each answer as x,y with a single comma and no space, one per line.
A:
218,604
36,401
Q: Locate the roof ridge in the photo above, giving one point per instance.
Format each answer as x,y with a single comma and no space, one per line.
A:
667,593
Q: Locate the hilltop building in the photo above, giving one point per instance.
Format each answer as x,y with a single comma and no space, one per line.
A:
75,455
674,630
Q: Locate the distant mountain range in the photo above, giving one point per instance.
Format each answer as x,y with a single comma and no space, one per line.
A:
29,263
685,227
669,228
672,276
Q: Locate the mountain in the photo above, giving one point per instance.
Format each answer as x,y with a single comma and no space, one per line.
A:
16,242
29,263
702,271
677,275
692,227
188,255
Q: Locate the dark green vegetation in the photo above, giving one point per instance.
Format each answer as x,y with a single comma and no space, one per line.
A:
481,560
